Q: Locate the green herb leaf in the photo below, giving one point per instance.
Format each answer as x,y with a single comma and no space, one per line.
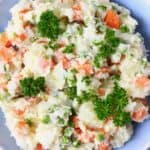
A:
97,60
68,132
31,87
113,106
122,118
100,137
116,77
71,92
124,29
101,109
103,7
105,51
111,39
80,30
69,48
54,46
46,119
64,140
61,121
87,96
114,42
48,26
109,34
87,80
106,47
76,143
29,121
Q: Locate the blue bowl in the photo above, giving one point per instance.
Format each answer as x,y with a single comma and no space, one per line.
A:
140,10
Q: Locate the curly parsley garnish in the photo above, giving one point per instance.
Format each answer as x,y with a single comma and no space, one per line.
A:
31,87
87,80
69,48
71,92
124,29
86,96
106,47
49,25
113,106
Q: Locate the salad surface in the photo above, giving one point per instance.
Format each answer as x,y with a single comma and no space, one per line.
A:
73,75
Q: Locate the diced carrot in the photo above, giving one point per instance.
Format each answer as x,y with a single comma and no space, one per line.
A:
22,36
46,63
101,92
101,71
66,62
140,114
105,69
78,131
22,128
24,11
2,75
90,136
19,112
85,68
77,17
3,38
77,12
43,63
112,19
102,131
58,56
3,85
39,147
76,120
76,7
142,81
85,135
104,146
21,124
8,44
7,54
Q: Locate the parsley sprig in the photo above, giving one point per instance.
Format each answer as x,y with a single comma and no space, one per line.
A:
87,96
71,92
49,25
106,47
113,106
31,86
69,48
124,29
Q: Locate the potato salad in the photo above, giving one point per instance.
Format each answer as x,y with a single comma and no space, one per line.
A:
73,75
